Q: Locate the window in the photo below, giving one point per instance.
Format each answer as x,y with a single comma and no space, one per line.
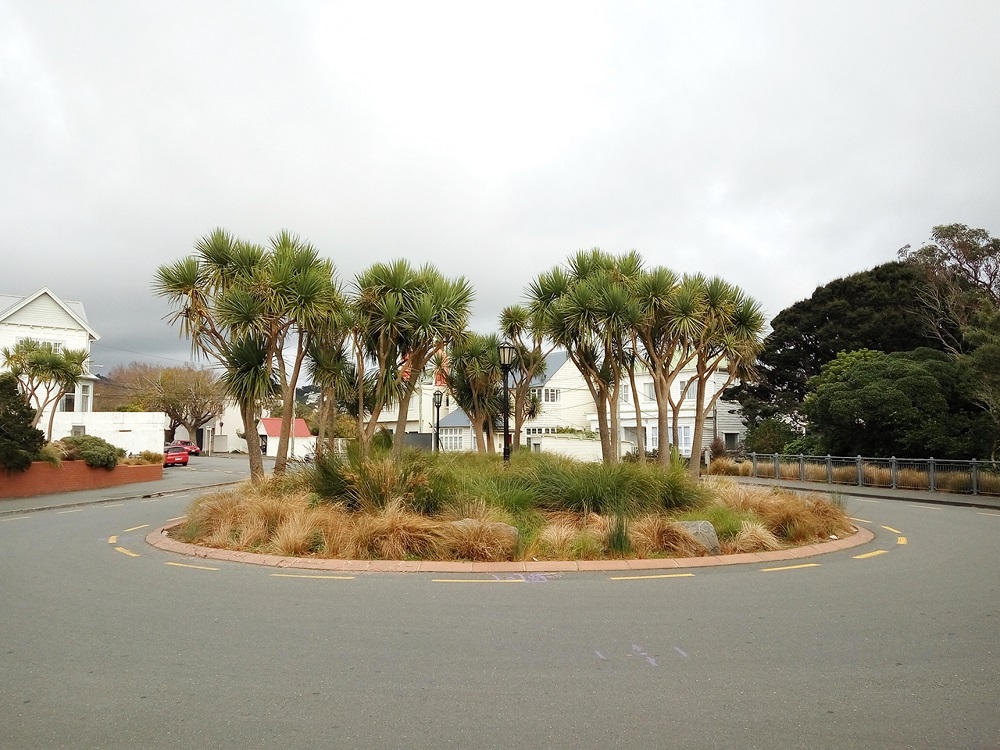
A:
550,395
624,392
68,402
654,439
647,392
452,439
684,436
732,440
681,385
85,397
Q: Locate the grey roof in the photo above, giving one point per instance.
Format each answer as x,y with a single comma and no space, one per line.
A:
553,362
457,418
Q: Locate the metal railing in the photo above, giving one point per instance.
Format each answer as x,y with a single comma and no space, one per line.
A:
963,477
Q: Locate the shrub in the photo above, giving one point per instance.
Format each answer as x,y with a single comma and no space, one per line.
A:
19,441
94,451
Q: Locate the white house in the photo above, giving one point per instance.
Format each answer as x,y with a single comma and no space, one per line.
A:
44,317
568,407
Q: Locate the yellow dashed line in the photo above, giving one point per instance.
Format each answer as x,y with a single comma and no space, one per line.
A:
185,565
662,575
113,539
292,575
477,580
894,531
871,554
859,520
128,552
790,567
901,540
136,528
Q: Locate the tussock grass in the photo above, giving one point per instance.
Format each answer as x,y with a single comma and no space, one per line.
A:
462,508
657,535
752,537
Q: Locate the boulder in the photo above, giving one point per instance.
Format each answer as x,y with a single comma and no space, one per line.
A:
704,532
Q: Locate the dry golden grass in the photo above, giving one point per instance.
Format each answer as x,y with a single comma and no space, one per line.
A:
657,535
396,534
555,540
799,519
278,519
753,537
477,539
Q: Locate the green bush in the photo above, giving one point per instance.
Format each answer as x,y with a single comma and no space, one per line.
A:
19,441
94,451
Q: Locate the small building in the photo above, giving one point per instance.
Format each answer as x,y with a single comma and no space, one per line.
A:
300,442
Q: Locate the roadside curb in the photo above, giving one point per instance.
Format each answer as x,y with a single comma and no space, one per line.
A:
118,498
159,539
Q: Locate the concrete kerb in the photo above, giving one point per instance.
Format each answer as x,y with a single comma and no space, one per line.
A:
160,539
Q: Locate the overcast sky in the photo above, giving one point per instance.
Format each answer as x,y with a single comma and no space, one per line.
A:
777,144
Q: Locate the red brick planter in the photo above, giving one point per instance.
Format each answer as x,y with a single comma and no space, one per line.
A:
44,478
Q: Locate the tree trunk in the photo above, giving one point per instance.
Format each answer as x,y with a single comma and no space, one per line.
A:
288,407
640,433
249,415
699,423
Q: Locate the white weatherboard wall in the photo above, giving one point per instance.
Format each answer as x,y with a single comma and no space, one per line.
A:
133,431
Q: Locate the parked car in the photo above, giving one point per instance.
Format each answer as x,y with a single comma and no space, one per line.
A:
191,448
175,455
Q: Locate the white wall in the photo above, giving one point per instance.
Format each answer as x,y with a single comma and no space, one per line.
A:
131,430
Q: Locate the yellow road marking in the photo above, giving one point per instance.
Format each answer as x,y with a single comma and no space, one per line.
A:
859,520
128,552
477,580
113,539
871,554
982,514
292,575
136,528
790,567
185,565
894,531
74,510
662,575
901,540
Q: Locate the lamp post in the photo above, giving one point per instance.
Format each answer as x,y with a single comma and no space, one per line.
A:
507,352
438,396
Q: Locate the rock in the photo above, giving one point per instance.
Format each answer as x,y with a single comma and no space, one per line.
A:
704,532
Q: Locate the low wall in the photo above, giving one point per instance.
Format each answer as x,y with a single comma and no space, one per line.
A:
44,478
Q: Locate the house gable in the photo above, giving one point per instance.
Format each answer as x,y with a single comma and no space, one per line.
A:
45,311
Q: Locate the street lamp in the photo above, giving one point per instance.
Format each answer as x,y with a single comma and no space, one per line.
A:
438,397
507,352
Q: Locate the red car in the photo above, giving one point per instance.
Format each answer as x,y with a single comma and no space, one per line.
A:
175,455
191,448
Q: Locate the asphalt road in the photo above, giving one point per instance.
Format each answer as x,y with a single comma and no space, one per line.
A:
108,643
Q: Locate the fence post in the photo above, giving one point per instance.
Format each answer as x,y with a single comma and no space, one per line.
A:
829,469
802,468
777,466
931,478
861,473
975,477
892,472
753,462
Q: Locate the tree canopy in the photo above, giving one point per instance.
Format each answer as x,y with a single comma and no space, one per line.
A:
913,404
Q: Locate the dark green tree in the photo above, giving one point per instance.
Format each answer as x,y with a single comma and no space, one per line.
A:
908,404
19,440
877,309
